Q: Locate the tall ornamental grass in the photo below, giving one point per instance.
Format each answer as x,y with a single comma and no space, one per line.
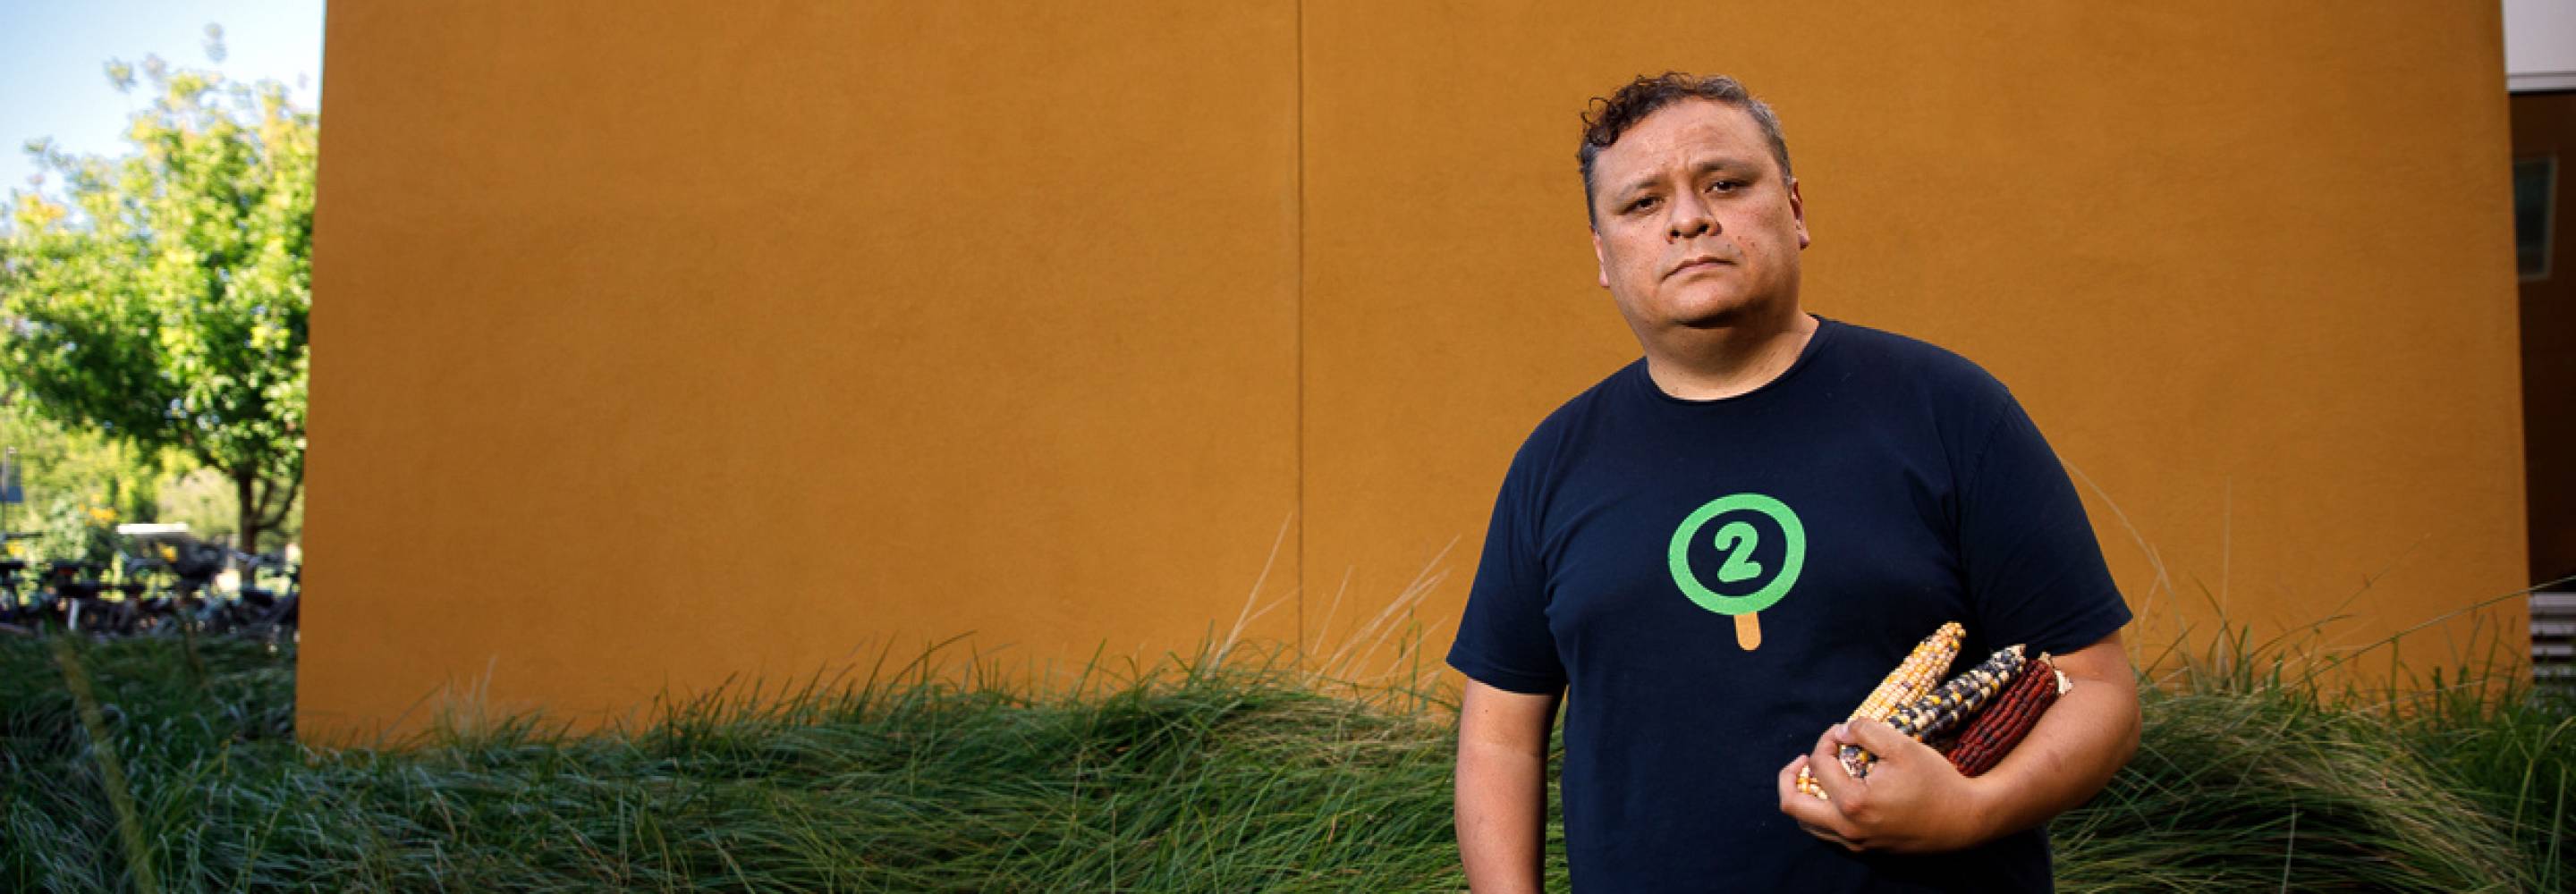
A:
1228,771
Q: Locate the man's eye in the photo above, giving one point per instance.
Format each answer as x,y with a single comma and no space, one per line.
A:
1725,186
1642,204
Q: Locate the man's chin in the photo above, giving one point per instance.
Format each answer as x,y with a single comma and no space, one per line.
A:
1727,313
1727,317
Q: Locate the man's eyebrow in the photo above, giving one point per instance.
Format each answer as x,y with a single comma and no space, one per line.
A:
1712,165
1722,164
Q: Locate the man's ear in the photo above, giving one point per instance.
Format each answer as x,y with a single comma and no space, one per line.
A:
1798,211
1603,260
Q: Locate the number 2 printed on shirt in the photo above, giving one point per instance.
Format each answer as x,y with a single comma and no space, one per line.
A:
1736,540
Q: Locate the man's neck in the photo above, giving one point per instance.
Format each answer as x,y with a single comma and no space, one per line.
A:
1712,364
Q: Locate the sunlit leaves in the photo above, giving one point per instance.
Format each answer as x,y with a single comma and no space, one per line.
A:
167,298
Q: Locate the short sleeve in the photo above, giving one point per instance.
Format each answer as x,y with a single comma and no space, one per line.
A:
2034,569
1503,638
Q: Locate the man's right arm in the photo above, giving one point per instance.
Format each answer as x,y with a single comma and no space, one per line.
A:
1502,787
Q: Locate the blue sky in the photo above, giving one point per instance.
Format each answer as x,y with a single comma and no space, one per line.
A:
53,53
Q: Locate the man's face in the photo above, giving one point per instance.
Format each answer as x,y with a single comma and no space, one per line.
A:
1694,224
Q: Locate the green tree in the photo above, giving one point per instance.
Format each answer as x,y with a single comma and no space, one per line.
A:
165,302
79,485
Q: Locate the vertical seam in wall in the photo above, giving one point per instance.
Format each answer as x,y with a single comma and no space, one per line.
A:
1299,10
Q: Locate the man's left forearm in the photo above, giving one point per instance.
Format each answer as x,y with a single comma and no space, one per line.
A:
2078,744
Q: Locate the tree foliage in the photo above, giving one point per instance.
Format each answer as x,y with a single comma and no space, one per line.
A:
79,484
165,303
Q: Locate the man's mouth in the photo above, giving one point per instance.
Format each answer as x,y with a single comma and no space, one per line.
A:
1697,263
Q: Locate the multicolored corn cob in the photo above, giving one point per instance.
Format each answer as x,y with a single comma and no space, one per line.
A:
1920,672
1916,675
2003,724
1946,707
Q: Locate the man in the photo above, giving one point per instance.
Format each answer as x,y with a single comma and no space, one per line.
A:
1714,554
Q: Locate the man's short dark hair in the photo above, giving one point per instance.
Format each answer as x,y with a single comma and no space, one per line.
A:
1609,117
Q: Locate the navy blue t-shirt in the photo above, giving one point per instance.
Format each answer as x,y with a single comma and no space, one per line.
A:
1877,489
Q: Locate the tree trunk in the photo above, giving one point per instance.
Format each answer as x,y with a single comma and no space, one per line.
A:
247,540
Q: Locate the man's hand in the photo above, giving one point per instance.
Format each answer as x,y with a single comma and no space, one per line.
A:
1913,801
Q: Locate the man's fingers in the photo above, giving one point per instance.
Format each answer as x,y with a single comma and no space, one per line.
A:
1828,835
1830,820
1827,769
1819,818
1882,740
1789,779
1893,747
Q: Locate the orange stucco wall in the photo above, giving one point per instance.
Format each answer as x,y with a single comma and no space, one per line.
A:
747,339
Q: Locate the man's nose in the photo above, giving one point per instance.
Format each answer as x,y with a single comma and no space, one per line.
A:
1690,220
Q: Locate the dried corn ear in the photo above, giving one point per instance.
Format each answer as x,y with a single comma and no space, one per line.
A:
1946,707
1916,675
1921,670
2006,722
